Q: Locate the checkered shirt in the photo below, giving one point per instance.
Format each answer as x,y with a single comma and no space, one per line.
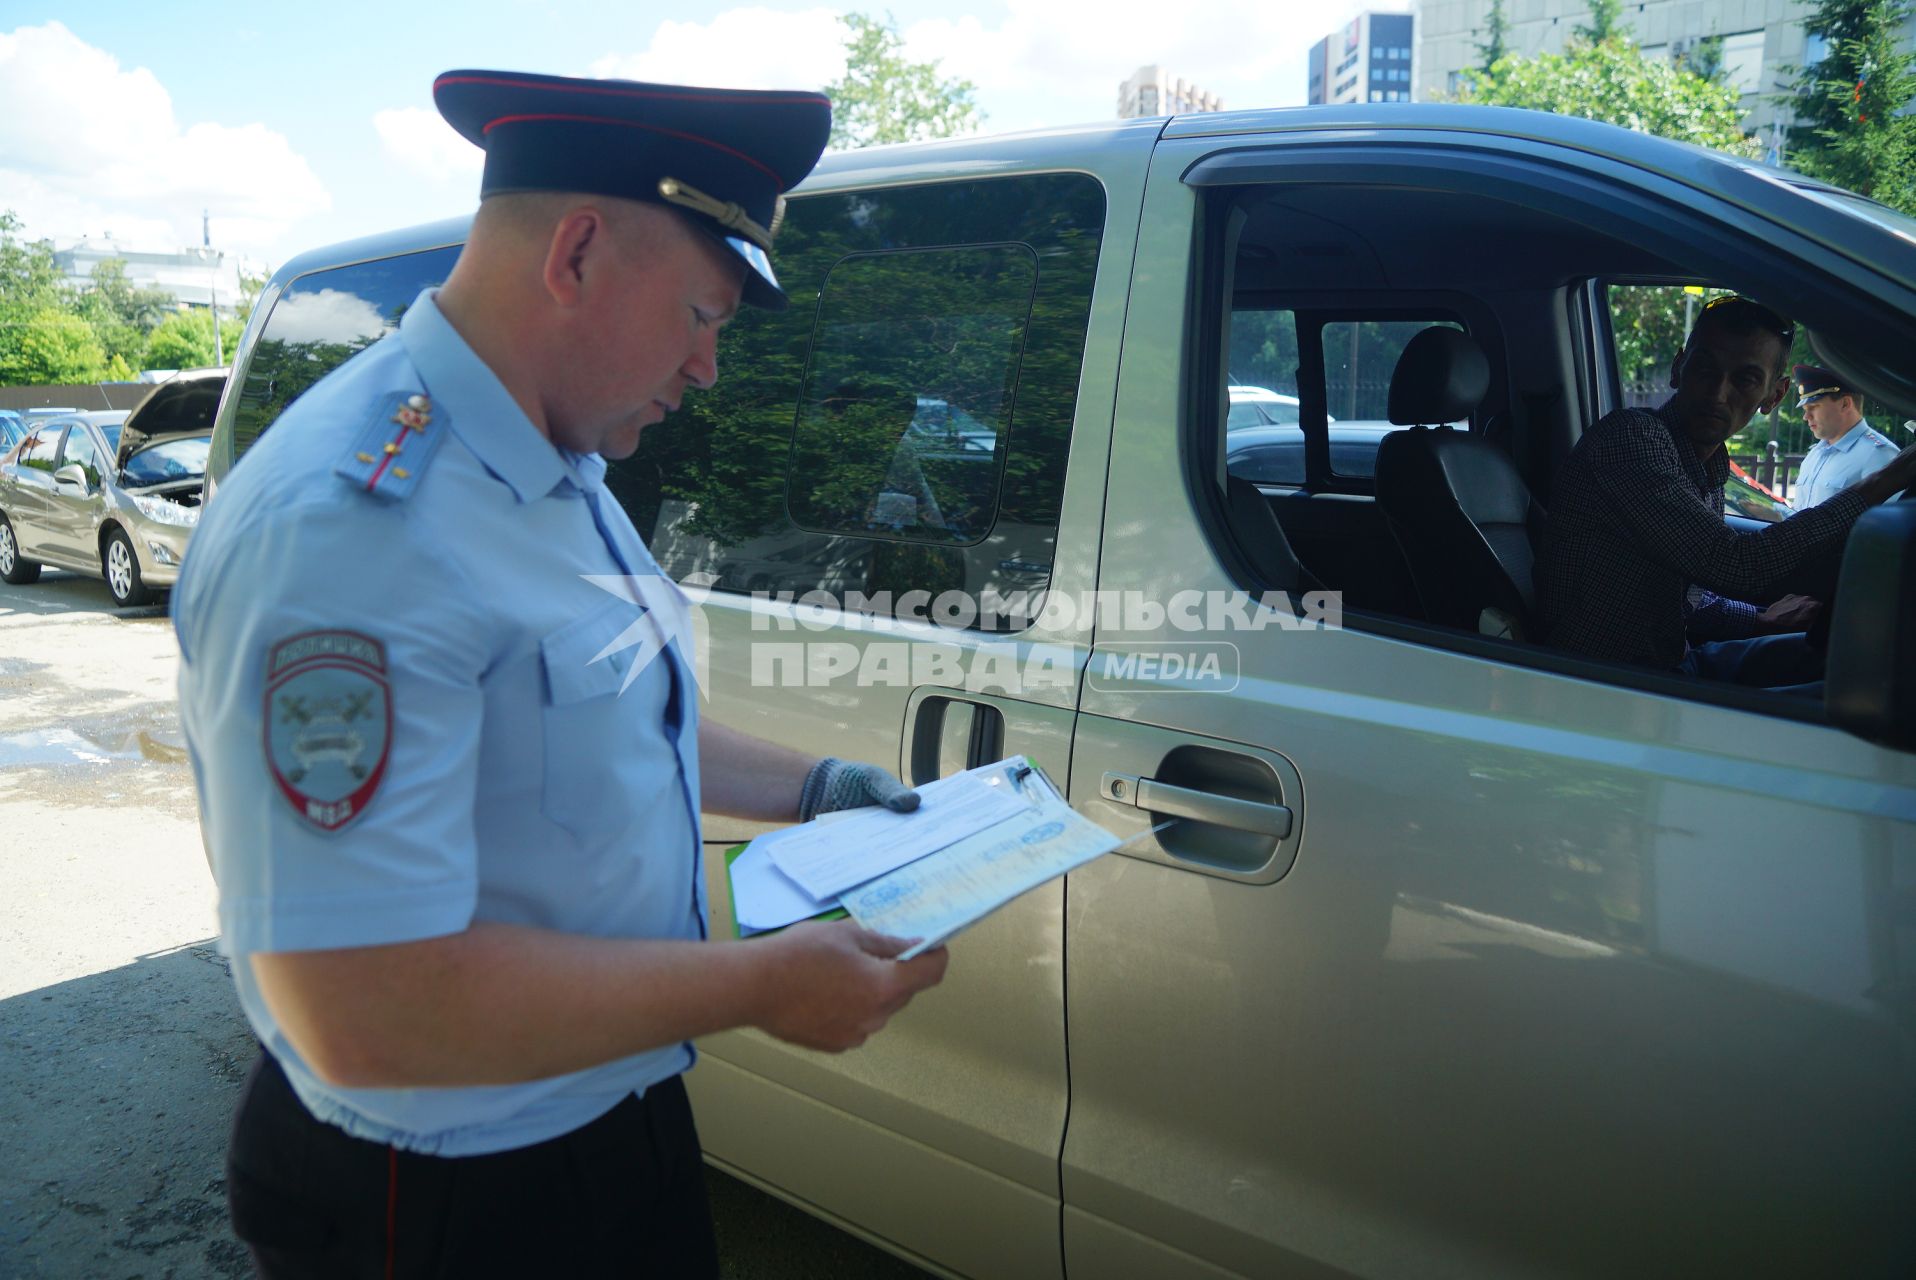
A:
1636,528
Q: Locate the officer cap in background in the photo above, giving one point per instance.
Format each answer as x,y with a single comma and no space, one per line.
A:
1816,383
722,157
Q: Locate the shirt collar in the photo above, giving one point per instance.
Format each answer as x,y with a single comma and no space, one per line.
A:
481,410
1851,438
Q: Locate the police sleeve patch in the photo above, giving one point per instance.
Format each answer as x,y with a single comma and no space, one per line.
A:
328,721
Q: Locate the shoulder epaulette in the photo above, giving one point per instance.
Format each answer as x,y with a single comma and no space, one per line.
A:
391,452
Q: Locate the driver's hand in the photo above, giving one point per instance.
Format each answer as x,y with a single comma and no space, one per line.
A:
1792,613
1898,475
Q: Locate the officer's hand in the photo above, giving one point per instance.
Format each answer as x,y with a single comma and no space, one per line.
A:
831,985
835,784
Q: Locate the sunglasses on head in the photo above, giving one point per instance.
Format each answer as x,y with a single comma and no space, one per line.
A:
1753,313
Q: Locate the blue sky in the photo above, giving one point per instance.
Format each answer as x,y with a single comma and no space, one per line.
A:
298,125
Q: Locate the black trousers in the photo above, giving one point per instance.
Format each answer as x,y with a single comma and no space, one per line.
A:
622,1196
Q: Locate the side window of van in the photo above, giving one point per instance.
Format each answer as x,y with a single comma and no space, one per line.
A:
321,320
913,372
1344,362
904,425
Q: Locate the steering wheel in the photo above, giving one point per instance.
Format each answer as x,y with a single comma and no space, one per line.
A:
1818,635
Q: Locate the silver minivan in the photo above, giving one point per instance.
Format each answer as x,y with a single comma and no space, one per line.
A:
1458,956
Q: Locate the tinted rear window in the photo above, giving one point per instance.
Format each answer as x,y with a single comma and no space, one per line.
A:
322,320
905,425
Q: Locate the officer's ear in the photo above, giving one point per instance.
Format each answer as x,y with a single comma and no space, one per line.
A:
1676,367
576,238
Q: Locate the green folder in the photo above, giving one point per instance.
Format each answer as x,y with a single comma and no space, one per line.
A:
731,856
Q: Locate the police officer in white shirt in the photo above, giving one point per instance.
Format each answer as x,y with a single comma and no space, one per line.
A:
453,816
1846,449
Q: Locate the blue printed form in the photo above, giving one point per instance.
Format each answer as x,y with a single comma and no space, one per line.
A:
961,884
1002,830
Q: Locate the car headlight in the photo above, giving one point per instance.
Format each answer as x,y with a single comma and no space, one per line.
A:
161,511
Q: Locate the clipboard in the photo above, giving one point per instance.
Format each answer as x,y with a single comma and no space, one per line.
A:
933,897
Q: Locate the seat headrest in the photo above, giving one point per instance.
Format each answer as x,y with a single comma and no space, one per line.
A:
1441,377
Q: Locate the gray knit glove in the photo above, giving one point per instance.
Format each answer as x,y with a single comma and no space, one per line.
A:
835,784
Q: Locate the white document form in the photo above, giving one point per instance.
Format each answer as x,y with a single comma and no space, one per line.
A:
763,897
827,859
936,896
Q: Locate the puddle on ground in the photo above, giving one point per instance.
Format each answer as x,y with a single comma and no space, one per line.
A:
92,746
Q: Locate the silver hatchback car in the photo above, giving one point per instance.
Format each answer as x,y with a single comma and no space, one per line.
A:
112,494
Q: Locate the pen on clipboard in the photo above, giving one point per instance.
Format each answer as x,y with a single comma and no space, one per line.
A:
1018,775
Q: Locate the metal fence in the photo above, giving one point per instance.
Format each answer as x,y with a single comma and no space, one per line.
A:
1772,468
85,395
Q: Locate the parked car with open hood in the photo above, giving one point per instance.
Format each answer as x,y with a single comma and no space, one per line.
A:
113,494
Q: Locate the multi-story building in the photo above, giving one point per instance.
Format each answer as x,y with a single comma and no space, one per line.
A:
193,277
1369,60
1152,92
1763,40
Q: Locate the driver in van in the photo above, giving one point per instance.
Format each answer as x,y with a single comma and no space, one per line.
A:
1637,564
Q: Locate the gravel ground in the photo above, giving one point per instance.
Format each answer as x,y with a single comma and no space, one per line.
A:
122,1047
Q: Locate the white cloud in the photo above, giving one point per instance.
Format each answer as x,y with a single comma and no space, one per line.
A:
1044,62
423,143
90,148
326,316
755,48
1053,62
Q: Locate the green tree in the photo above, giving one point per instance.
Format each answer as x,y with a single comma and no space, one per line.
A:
1496,41
1853,126
28,278
123,315
1606,20
184,340
1613,82
251,287
1705,58
50,345
886,97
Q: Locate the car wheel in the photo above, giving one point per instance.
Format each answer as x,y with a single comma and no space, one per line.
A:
121,568
12,568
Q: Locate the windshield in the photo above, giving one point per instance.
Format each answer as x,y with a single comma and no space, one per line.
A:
112,434
183,459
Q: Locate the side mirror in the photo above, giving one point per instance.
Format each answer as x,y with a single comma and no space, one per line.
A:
74,474
1870,683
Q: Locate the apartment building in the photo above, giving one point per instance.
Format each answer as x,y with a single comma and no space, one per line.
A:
1367,60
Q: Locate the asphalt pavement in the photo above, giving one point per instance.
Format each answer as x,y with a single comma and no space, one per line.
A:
122,1048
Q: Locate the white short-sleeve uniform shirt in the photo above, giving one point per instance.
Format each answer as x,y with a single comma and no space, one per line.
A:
411,707
1829,468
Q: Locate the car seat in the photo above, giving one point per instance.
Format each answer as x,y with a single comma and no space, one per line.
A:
1456,504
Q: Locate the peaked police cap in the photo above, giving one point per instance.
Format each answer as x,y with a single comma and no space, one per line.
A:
723,158
1815,383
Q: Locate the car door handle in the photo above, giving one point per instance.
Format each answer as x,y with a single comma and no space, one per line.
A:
1273,820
